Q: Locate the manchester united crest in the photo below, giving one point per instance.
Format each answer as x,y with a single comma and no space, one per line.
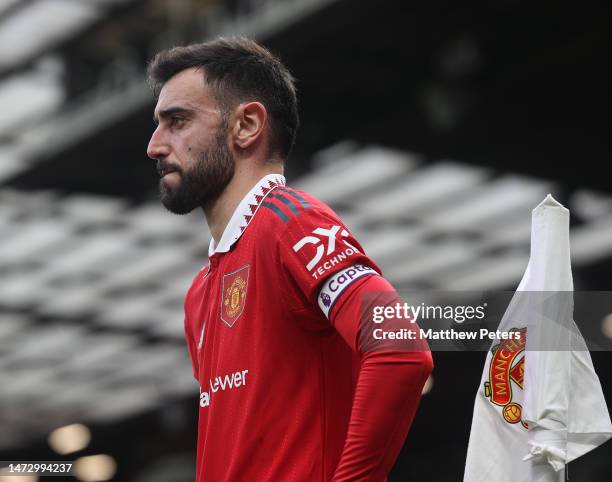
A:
233,294
505,371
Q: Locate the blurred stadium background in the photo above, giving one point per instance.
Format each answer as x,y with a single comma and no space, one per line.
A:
433,128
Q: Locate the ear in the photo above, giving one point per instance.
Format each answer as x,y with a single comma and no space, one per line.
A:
249,123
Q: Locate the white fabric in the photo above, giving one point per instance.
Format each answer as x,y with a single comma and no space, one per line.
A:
562,402
244,213
336,284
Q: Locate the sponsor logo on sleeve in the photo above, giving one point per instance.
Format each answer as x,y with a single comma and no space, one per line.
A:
326,243
338,283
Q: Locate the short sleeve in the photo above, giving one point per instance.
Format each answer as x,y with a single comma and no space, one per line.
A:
320,257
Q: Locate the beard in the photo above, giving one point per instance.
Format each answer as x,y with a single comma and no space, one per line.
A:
204,181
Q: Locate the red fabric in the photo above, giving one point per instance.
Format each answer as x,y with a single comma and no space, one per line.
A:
389,387
277,380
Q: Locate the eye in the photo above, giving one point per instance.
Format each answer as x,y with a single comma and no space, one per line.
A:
176,121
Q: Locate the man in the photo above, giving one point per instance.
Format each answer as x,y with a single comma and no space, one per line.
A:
287,390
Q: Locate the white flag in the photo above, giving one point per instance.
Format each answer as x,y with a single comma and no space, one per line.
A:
539,404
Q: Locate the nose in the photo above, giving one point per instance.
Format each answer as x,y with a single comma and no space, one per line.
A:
158,147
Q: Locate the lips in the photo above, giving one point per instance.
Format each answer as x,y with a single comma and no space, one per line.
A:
165,169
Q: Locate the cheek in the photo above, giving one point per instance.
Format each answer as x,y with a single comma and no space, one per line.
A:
185,149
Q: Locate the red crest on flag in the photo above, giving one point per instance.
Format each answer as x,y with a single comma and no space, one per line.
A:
233,294
507,364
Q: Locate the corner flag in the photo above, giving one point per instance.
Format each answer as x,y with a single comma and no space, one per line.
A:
539,404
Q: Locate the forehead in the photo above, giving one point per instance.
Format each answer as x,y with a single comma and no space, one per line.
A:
186,89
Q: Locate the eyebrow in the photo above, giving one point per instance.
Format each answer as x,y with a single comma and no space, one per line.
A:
170,111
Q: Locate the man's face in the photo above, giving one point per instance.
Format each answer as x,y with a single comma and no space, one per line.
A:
194,161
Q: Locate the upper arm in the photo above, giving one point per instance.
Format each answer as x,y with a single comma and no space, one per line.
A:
320,259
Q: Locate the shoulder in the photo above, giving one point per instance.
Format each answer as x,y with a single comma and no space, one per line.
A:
288,210
197,285
314,236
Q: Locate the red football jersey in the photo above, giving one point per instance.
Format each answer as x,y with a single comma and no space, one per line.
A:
276,379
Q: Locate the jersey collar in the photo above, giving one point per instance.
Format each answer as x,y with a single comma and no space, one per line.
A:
245,212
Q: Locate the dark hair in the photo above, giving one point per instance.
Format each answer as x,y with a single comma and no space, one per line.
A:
237,69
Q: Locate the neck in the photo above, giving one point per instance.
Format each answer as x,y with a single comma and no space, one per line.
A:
220,211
